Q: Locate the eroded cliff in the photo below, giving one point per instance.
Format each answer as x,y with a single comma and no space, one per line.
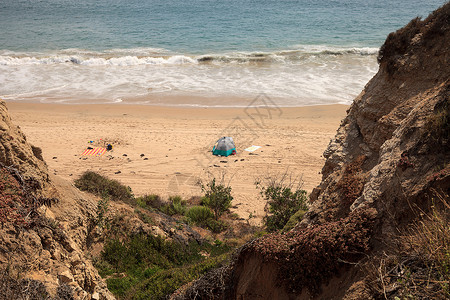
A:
388,163
44,227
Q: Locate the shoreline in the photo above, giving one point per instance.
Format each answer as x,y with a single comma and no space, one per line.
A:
168,111
181,101
176,143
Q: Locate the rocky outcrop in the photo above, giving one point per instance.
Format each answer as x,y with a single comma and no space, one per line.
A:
388,160
44,227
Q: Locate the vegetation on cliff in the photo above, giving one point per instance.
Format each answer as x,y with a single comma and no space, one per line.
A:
149,267
285,201
418,263
308,257
144,259
406,39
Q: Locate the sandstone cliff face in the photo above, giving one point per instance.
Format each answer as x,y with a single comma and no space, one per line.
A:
388,133
16,152
43,232
389,158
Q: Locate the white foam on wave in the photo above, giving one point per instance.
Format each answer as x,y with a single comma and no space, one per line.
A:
306,79
154,56
32,93
143,51
97,61
325,49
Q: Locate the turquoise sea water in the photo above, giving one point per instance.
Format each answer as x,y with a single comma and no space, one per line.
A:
298,53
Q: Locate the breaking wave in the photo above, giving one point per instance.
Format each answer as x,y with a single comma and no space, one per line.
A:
155,56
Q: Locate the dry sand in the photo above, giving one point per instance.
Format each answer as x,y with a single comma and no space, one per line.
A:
176,144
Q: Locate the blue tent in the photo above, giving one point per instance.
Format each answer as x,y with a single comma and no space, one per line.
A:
224,146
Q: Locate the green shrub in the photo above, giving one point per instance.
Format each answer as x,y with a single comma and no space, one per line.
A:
104,268
200,215
217,197
102,210
150,201
204,217
140,251
119,286
216,226
176,206
165,282
102,186
283,202
148,267
294,220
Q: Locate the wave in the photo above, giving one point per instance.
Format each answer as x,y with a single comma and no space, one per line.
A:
336,50
96,61
158,56
33,93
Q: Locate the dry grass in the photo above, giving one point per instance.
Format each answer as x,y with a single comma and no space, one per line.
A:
420,268
19,198
13,285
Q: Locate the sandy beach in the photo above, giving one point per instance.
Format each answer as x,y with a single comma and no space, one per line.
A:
166,150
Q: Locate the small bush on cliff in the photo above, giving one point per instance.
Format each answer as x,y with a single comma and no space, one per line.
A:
284,198
397,44
217,197
150,201
203,216
103,186
101,219
14,287
154,267
176,206
199,215
348,188
438,124
294,220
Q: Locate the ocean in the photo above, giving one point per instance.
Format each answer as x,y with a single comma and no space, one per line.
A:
197,52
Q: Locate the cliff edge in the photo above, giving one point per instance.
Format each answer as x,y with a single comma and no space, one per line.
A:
43,253
388,165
